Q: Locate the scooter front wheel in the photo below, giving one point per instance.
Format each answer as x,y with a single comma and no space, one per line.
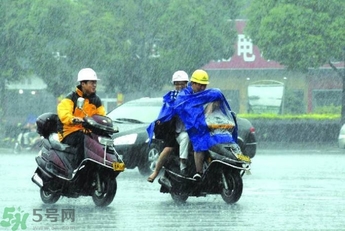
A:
107,193
49,197
232,187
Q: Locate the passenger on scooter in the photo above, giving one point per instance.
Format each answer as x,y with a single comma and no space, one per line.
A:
191,105
70,130
199,82
174,132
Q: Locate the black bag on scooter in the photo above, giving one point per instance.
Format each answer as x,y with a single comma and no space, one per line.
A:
47,124
165,130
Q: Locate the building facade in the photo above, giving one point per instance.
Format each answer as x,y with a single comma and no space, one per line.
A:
247,67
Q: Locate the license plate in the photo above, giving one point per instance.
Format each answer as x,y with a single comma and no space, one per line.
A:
117,166
37,179
244,158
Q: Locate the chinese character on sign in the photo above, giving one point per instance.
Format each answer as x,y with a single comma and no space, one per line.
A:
9,218
53,215
245,47
67,214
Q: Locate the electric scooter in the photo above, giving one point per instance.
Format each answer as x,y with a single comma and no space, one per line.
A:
95,176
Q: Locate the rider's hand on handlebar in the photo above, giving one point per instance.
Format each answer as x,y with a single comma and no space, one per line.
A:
77,120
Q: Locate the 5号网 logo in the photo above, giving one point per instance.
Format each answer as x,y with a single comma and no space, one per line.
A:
16,219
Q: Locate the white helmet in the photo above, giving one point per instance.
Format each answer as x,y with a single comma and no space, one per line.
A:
87,74
180,76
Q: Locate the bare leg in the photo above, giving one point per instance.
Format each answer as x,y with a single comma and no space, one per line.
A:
199,160
183,163
160,162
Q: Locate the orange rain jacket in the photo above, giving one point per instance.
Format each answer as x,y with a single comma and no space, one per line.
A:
67,110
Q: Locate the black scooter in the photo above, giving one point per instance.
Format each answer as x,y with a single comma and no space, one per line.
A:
224,164
222,175
96,174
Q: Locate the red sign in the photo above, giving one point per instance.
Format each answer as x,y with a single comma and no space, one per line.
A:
246,56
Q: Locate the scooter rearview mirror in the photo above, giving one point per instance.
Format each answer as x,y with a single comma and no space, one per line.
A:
80,103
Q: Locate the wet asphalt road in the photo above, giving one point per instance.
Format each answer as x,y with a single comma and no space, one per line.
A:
295,189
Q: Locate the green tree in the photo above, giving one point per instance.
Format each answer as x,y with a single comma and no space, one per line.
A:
134,45
157,38
299,34
293,103
14,61
69,35
37,38
53,43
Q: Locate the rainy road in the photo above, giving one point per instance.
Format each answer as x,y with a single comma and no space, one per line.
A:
288,190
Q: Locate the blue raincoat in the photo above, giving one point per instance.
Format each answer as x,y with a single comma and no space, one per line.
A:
190,107
166,113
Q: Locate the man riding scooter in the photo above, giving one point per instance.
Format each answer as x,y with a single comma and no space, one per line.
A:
70,130
86,162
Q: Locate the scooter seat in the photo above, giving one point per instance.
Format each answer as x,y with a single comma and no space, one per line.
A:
62,147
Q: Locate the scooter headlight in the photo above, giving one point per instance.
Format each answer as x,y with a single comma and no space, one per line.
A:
105,141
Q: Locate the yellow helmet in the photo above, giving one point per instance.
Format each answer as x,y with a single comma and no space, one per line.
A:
200,76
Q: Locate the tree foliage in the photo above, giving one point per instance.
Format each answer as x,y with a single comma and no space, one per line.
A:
160,37
134,45
13,55
52,43
299,34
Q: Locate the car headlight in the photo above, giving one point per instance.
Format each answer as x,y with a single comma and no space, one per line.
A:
127,139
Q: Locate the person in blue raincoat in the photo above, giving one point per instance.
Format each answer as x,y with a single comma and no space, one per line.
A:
198,83
190,115
172,131
190,105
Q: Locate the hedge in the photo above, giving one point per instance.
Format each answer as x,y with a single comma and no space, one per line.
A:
296,130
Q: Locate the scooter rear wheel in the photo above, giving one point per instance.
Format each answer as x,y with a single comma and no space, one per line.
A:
106,195
49,197
179,198
235,187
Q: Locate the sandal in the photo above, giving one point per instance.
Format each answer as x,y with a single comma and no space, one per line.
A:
152,177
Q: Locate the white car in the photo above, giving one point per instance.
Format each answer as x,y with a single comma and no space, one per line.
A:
133,117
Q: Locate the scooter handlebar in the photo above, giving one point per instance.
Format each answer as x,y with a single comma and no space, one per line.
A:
77,121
